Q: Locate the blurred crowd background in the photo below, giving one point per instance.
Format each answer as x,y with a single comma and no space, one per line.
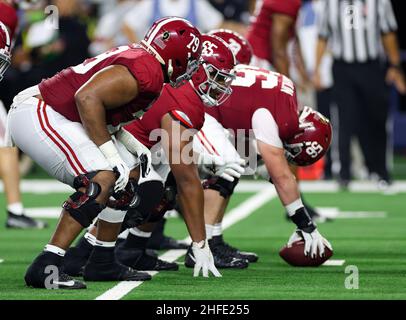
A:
48,41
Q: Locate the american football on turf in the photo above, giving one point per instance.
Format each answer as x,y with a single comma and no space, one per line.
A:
294,255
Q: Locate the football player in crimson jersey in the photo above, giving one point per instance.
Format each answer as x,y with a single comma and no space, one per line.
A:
263,103
65,123
9,165
168,129
270,32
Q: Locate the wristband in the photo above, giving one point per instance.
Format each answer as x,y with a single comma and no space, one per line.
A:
294,206
109,150
303,221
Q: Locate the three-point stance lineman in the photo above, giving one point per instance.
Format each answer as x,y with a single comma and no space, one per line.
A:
65,123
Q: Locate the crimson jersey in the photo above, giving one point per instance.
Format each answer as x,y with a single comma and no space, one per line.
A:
182,103
59,91
259,33
256,88
8,15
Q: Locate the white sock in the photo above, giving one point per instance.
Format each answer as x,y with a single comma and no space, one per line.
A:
105,244
123,235
217,230
55,249
137,232
209,231
16,208
90,238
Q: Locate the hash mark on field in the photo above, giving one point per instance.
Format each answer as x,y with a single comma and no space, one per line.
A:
1,260
333,263
335,213
233,216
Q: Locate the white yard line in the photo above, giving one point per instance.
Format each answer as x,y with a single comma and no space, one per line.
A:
52,186
334,263
233,216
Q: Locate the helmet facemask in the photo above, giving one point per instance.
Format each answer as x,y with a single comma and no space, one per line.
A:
5,62
216,89
191,68
292,151
5,56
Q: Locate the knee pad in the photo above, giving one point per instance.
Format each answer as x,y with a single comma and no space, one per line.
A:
224,187
168,201
150,193
82,206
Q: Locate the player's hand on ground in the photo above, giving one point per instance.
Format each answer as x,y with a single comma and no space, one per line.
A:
203,260
314,242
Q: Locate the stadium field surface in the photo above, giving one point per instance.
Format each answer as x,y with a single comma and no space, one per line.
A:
367,233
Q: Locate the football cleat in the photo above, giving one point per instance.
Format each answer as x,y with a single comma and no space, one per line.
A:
221,261
102,266
15,221
76,258
221,245
139,259
45,272
159,241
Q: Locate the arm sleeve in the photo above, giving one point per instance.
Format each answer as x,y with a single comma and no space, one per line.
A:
265,128
209,18
386,17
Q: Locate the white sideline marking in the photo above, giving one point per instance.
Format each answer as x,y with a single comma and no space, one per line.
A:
335,213
333,263
361,214
39,186
43,212
45,186
233,216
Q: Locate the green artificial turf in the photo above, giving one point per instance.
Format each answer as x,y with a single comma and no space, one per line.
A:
376,246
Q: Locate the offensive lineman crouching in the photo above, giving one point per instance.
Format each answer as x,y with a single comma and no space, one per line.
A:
65,123
176,116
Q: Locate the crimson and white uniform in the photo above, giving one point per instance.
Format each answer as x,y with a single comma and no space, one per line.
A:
260,31
262,106
182,104
8,16
50,130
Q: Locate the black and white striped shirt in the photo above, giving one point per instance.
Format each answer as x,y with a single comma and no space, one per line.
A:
354,27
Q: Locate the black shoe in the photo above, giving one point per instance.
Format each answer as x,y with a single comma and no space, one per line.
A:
159,241
46,272
168,243
102,266
75,261
139,259
15,221
221,261
343,184
221,245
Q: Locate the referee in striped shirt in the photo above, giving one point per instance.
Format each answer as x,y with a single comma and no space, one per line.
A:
356,31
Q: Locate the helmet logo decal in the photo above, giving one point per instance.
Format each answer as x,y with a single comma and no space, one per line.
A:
234,46
166,35
208,48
